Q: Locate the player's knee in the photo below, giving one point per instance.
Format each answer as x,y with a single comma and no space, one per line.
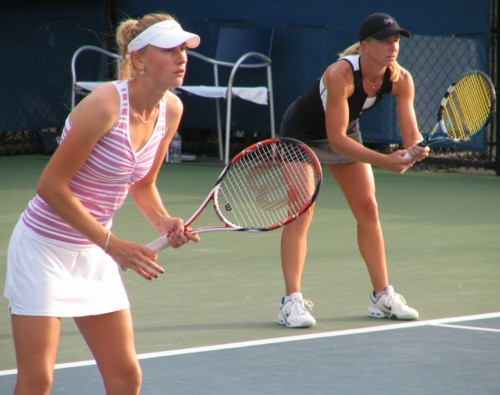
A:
367,211
124,381
300,225
36,384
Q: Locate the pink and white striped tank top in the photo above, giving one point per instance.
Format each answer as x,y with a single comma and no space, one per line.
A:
103,182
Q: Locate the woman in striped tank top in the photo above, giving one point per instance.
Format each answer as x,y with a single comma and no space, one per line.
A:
63,260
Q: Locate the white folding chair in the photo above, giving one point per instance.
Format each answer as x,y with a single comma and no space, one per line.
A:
95,69
237,49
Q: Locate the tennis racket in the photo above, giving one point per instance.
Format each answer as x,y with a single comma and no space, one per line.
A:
465,110
264,187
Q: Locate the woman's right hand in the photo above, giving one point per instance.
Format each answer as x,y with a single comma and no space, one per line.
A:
134,256
398,163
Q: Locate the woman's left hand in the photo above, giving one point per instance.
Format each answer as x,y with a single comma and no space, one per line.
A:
418,153
177,234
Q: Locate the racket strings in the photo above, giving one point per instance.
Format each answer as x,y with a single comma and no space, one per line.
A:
267,186
265,200
300,178
468,107
236,194
259,205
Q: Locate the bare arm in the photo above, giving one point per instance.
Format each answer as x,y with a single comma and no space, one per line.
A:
339,80
90,120
404,90
145,192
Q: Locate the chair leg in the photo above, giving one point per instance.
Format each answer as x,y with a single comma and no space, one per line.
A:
271,102
219,129
228,126
228,120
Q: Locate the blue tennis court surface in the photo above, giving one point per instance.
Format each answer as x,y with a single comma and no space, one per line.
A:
208,325
445,356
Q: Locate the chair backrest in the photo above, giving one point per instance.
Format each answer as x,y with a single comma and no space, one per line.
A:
97,63
92,65
235,42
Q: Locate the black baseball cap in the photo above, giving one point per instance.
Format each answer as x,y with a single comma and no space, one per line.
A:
380,26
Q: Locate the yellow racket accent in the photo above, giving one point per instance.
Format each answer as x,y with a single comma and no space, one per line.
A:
468,106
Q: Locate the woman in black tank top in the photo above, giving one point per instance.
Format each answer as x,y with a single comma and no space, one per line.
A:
326,118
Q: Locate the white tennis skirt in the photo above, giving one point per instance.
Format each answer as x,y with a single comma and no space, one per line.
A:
50,278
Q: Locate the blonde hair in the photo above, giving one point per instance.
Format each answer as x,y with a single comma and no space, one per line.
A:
356,49
127,31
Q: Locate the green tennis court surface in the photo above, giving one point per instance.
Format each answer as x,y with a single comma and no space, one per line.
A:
442,235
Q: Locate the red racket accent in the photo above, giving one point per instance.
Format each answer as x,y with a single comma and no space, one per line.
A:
264,187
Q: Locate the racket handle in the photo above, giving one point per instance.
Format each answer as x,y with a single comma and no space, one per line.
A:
159,244
408,156
156,245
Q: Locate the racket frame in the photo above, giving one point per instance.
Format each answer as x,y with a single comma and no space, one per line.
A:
162,242
443,136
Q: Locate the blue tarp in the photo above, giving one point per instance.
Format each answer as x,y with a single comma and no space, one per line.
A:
39,40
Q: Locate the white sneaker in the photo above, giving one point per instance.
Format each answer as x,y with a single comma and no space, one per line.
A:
293,312
389,304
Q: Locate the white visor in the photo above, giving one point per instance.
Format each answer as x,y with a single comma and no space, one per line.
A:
166,34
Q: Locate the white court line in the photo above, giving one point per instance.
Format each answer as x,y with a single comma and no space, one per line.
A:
229,346
470,328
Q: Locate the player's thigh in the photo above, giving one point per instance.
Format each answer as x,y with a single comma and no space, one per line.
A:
358,185
110,337
36,340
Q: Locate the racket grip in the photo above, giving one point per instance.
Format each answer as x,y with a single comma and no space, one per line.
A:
408,156
158,244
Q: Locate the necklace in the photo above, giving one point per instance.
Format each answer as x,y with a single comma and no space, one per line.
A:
153,112
371,83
